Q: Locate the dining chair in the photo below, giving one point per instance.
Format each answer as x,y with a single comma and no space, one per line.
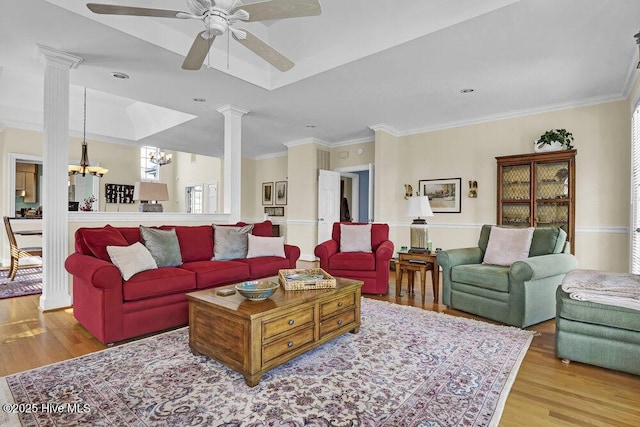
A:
16,252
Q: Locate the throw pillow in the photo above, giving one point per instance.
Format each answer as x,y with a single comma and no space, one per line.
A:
230,242
163,246
508,245
265,246
355,238
97,240
132,259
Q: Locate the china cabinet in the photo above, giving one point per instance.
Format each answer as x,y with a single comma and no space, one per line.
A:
538,190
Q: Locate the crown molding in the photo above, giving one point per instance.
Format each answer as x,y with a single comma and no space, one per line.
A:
232,109
353,142
386,128
47,55
306,141
271,155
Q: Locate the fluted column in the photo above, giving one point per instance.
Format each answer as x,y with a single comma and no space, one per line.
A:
232,160
55,150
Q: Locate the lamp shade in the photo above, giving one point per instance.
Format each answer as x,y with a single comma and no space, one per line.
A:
145,191
418,207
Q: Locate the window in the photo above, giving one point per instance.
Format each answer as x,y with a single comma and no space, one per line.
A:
148,170
194,200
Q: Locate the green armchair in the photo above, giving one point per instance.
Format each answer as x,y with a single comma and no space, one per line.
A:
522,294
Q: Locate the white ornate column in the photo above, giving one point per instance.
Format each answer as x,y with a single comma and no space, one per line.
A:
232,160
55,150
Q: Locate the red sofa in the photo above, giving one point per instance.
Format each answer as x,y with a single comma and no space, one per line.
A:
372,268
113,309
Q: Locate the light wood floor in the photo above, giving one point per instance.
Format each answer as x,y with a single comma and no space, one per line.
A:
546,392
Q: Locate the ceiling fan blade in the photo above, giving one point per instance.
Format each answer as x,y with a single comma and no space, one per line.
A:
110,9
266,52
281,9
197,53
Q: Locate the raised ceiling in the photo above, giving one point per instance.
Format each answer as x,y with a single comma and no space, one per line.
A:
361,63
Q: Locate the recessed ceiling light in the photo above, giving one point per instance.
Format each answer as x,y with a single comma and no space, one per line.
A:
310,126
199,99
468,90
119,75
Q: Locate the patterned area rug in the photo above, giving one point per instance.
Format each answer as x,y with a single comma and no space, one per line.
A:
28,281
406,367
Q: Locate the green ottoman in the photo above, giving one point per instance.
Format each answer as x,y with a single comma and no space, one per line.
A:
598,334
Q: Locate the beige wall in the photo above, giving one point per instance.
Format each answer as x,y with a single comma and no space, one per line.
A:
348,156
188,170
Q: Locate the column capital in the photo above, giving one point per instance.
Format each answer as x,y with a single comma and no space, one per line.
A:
49,56
230,109
385,128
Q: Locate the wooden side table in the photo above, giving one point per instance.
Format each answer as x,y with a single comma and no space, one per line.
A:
412,262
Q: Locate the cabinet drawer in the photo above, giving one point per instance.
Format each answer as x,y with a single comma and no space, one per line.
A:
337,304
287,344
286,323
337,322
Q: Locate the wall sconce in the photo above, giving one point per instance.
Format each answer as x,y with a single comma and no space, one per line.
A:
473,189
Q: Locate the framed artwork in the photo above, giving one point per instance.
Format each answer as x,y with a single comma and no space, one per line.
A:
444,194
267,193
118,193
274,211
281,193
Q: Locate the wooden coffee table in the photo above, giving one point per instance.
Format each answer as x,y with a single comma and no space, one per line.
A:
252,337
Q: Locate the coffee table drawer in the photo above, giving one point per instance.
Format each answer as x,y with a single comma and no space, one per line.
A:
286,323
287,344
337,304
337,322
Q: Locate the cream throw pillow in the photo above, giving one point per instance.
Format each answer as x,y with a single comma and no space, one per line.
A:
265,246
131,259
508,245
355,238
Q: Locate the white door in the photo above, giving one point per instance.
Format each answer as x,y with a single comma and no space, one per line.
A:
328,203
212,193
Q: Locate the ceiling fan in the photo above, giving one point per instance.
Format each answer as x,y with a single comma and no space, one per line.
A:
219,16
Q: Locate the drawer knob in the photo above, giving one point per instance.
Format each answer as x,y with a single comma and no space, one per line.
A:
339,322
290,344
291,322
340,304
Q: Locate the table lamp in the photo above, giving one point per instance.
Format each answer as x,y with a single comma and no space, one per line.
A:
418,207
147,192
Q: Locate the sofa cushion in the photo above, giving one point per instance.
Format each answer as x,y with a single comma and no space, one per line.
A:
265,266
547,240
216,273
163,245
379,233
508,245
262,229
355,238
158,282
595,313
97,240
265,246
493,277
230,242
360,261
196,242
132,259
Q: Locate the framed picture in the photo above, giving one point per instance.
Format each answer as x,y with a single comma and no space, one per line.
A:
119,193
274,211
281,193
267,193
444,194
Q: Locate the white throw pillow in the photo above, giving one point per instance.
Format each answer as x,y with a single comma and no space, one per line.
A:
131,259
508,245
355,238
265,246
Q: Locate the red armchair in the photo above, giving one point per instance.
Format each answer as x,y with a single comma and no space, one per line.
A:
372,268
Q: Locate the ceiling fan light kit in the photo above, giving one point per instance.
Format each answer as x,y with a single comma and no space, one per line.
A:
218,16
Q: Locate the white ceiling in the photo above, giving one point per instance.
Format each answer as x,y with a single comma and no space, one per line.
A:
361,63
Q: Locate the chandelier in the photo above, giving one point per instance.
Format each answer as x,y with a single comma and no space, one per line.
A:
85,166
160,158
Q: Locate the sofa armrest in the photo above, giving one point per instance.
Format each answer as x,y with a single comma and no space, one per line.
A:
293,254
384,251
325,249
538,267
452,257
100,273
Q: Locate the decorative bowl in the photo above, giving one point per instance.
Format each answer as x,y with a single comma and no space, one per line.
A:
257,290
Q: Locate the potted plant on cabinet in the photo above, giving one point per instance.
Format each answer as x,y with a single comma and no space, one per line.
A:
554,140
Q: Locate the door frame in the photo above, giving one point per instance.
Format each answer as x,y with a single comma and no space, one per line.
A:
369,167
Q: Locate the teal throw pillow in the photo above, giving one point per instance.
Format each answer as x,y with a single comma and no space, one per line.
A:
230,242
163,245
